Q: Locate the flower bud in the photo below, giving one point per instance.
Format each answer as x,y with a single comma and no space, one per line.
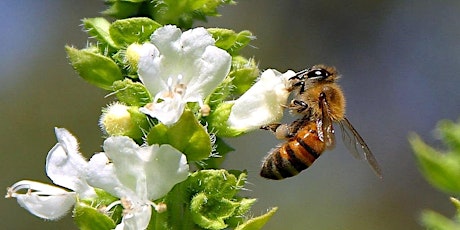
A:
121,120
132,55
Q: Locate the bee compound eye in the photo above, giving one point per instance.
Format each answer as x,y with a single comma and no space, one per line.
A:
318,74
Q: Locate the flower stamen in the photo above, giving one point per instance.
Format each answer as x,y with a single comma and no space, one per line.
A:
111,205
160,207
180,87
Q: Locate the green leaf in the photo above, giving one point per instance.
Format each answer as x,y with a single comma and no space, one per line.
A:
222,149
441,170
244,73
103,197
99,29
450,134
158,134
217,121
257,222
95,68
123,8
178,12
183,13
87,217
238,217
140,123
435,221
456,203
231,41
131,93
132,30
186,135
221,93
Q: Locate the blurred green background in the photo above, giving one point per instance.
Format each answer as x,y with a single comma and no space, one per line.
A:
399,60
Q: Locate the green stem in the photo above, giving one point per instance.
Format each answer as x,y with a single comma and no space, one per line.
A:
178,208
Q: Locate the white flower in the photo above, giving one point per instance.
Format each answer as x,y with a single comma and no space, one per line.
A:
178,68
263,103
65,166
137,175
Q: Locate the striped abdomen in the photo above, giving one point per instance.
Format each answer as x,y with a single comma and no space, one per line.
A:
295,155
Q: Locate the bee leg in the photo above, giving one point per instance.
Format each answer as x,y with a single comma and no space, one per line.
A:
271,127
284,106
295,85
299,106
281,131
285,131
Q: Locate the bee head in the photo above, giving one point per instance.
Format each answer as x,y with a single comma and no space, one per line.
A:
317,73
313,75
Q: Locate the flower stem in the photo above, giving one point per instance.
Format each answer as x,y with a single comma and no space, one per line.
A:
179,208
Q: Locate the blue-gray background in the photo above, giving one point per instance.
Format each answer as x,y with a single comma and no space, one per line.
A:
399,60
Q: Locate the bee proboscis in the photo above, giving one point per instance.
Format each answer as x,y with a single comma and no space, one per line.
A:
320,101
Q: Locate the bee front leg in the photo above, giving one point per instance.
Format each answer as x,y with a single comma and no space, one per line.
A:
299,107
272,127
298,81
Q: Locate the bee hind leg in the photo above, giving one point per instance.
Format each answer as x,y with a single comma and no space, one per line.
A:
281,131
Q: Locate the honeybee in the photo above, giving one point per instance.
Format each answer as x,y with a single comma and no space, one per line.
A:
320,101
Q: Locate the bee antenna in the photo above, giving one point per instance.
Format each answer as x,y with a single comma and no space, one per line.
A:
299,75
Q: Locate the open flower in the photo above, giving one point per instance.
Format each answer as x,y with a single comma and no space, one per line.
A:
137,175
263,103
178,68
65,166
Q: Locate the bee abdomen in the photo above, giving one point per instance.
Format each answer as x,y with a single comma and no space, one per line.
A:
288,160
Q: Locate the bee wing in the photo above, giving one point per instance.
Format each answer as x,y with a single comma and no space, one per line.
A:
356,145
325,128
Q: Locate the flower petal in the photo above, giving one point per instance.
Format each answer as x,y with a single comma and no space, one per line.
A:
149,68
152,170
167,39
212,67
101,174
136,219
262,103
195,41
43,200
179,68
166,168
167,112
65,166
